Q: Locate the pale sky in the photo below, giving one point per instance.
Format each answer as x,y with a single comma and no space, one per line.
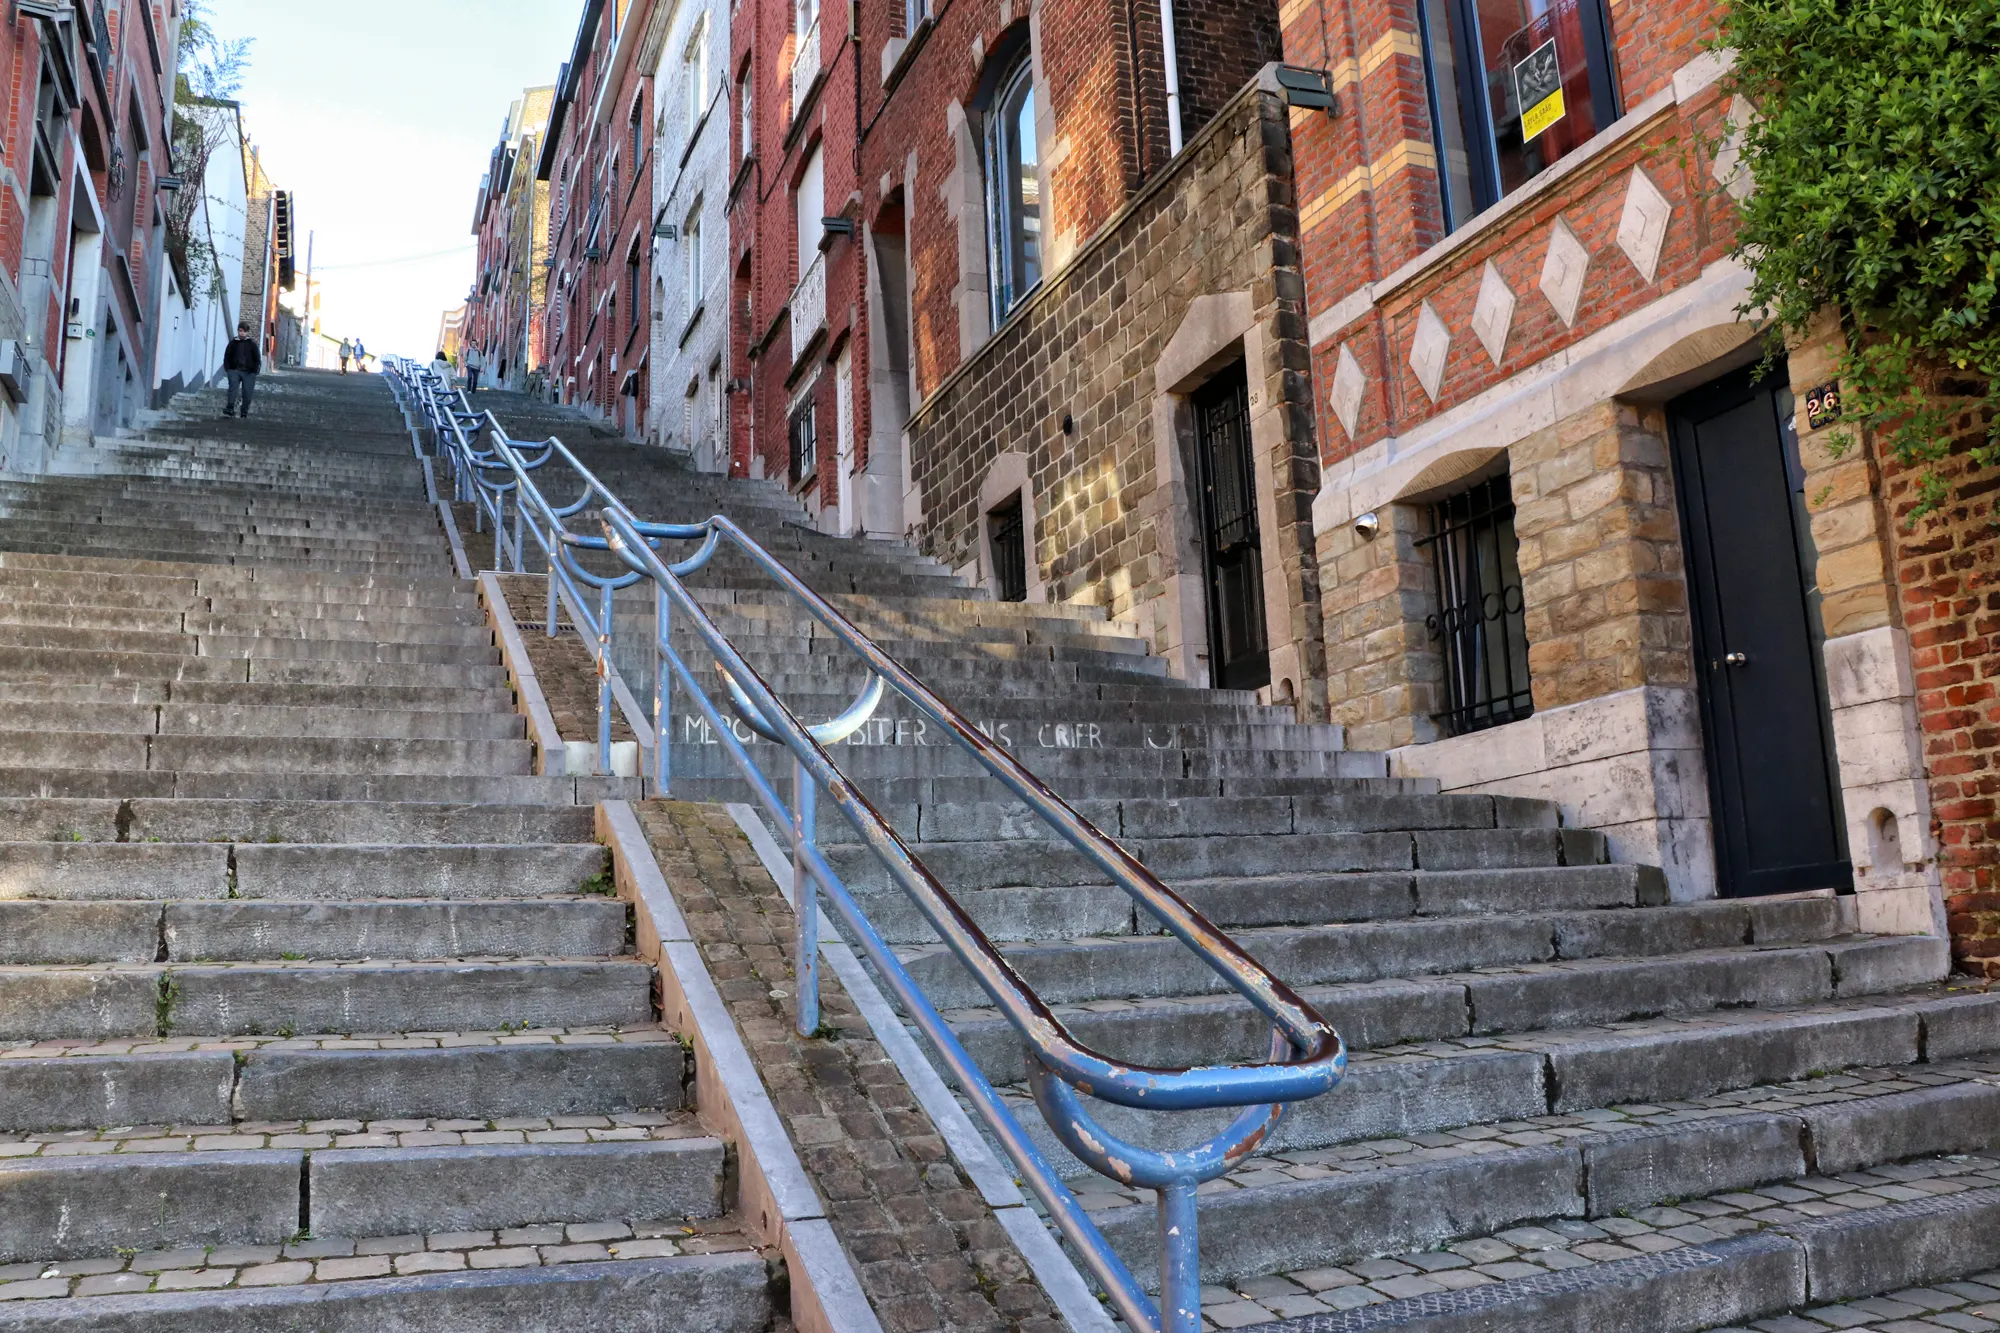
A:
380,118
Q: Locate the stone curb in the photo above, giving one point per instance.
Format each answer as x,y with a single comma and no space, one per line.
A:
521,671
775,1197
1066,1287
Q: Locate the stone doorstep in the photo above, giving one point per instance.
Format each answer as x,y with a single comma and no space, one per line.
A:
317,1260
1860,1232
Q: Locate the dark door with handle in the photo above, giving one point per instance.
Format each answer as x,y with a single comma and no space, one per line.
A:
1239,650
1757,656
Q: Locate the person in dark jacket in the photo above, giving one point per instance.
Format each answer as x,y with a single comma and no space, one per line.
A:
240,366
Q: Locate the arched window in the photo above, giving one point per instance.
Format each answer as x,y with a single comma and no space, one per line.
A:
1013,190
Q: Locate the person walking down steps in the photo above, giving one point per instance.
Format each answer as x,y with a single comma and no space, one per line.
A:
241,363
346,354
360,358
473,365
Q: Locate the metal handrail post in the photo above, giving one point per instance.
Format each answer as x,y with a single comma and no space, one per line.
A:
663,693
604,680
805,895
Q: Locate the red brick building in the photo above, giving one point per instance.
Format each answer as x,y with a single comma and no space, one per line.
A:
81,225
597,163
509,297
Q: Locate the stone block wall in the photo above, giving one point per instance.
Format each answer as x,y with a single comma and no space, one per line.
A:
1074,382
1385,675
1600,557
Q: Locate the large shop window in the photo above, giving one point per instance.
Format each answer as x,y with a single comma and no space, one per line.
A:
1515,86
1013,190
1479,625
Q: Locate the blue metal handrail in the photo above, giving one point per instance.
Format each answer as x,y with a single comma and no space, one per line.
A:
1307,1057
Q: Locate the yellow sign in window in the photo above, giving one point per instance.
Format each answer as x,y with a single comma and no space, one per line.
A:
1538,90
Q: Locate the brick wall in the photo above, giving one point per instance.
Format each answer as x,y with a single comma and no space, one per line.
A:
1088,345
1947,568
1220,45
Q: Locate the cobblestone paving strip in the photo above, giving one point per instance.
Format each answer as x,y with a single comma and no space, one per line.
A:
567,672
334,1259
1948,1307
1564,1243
929,1253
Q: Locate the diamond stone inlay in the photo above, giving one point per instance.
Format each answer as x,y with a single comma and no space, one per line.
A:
1348,385
1428,350
1642,227
1563,270
1493,314
1729,169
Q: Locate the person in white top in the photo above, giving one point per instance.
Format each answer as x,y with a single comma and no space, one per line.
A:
470,359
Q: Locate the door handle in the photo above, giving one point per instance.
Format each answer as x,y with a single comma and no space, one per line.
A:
1736,659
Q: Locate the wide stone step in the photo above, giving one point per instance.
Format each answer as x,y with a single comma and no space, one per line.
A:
269,722
974,865
276,1082
73,1207
1410,1197
1822,1248
238,931
1181,1031
115,784
78,871
1120,965
121,1000
248,754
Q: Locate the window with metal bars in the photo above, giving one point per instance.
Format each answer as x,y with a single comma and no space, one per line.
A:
1007,535
1479,626
805,444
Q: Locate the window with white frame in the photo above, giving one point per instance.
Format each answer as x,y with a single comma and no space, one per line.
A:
691,256
747,126
694,72
914,14
1013,190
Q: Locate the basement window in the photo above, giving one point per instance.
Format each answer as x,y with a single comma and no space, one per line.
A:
805,444
1479,627
1006,535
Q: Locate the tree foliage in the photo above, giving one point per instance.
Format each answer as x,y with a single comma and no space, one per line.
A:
212,66
211,70
1875,149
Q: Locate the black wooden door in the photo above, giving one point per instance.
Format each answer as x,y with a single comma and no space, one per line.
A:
1239,650
1757,657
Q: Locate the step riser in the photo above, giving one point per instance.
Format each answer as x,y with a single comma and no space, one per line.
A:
196,1001
724,1293
99,872
213,1087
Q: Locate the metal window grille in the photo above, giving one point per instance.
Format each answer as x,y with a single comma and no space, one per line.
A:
805,444
1008,537
1479,626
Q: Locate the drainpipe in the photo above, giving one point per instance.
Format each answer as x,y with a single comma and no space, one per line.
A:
1173,78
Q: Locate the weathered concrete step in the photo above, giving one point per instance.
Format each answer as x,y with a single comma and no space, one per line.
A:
1514,1001
297,872
872,757
901,796
144,931
271,722
246,579
467,1075
996,864
61,664
153,693
59,1208
250,754
1919,1247
1076,970
116,784
324,630
397,643
121,1000
396,1191
1281,1227
235,556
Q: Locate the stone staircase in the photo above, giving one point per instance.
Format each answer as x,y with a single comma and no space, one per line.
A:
317,1009
1573,1102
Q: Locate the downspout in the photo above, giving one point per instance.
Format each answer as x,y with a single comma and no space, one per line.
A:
1172,61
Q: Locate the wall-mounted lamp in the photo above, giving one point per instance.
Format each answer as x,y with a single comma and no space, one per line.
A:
666,231
168,182
832,227
1367,526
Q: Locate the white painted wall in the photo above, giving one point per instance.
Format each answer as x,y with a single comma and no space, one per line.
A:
691,168
196,326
